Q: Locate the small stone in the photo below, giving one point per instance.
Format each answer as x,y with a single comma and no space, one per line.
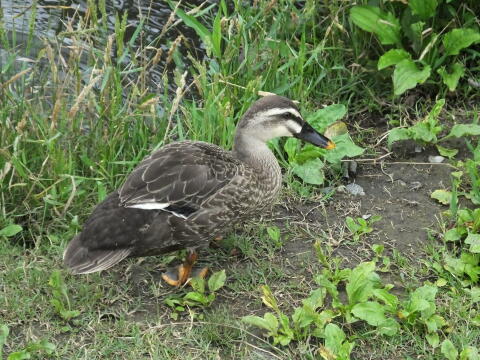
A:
355,189
436,159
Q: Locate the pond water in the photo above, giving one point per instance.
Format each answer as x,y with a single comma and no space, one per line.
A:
51,17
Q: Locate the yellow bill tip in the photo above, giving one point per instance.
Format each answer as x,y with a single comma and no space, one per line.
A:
331,145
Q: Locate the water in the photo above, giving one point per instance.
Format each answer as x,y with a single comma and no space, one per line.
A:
52,16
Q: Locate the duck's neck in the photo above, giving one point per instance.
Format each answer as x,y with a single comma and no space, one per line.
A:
256,154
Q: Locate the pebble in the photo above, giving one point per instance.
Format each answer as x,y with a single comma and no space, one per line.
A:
435,159
355,189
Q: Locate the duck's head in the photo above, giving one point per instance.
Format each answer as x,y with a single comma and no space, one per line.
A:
276,116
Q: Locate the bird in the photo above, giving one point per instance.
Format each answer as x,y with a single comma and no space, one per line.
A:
187,193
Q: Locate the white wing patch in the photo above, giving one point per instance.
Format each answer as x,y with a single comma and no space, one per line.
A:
149,206
156,206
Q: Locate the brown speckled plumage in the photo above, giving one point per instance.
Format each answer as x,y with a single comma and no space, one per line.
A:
200,191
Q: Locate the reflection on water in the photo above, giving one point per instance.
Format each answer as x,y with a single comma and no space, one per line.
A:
52,16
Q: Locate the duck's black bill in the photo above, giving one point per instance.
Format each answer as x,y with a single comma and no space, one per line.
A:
312,136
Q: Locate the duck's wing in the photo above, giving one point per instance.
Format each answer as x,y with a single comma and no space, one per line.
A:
179,177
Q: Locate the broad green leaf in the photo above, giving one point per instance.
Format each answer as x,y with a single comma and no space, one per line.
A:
432,117
69,314
372,19
196,297
371,311
449,153
217,280
392,57
352,224
442,196
458,39
389,327
423,300
422,131
198,284
345,147
423,8
433,339
308,152
334,337
10,230
414,33
461,130
434,322
449,350
475,296
407,75
303,317
290,147
322,118
273,232
470,353
452,235
389,299
42,345
268,322
310,171
398,134
451,78
19,355
360,282
315,300
474,241
283,340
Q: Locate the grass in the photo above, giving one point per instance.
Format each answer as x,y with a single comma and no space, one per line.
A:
74,121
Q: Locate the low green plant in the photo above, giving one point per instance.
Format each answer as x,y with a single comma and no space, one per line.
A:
60,299
201,296
308,161
360,226
427,131
275,235
429,39
380,257
10,230
367,300
34,348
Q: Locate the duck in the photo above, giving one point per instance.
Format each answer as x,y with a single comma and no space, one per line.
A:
187,193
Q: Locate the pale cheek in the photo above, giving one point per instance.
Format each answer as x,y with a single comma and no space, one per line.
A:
279,131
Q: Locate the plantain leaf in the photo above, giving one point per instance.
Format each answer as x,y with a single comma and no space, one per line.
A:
451,78
372,19
392,57
459,39
407,75
423,8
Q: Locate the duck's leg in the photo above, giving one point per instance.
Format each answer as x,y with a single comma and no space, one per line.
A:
185,271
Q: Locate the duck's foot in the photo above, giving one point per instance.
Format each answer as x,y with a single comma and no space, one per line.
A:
184,272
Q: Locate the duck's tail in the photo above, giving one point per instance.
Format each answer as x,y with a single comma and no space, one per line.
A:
80,260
